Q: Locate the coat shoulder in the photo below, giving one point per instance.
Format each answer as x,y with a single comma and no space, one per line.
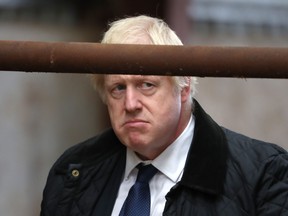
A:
242,147
97,148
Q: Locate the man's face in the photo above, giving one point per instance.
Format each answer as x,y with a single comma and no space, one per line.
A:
146,112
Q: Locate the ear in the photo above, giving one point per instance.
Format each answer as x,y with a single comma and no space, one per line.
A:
186,91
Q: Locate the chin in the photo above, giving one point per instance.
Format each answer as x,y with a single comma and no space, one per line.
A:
137,144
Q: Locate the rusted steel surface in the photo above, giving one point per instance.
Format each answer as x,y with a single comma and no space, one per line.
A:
200,61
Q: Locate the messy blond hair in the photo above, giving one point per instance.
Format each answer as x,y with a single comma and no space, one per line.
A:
136,30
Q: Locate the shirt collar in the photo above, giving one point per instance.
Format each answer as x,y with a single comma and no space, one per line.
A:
172,160
132,160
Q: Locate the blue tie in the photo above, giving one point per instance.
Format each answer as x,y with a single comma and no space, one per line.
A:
137,202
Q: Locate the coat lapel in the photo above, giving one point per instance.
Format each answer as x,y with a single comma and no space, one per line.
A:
205,167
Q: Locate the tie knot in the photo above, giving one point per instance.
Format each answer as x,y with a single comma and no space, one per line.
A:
146,172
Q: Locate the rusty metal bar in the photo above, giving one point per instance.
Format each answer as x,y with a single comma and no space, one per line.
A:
201,61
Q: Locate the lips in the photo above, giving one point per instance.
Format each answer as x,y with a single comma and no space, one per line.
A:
135,123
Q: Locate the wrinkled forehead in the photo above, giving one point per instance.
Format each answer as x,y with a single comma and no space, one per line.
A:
130,78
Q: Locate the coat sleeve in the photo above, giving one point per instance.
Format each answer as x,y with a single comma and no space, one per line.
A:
272,191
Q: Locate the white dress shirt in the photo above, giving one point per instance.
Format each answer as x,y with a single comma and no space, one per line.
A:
170,164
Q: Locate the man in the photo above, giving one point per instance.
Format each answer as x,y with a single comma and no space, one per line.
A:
201,168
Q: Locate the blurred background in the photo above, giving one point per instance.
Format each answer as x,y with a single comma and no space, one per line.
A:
43,114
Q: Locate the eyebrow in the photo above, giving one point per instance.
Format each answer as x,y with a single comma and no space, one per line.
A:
120,78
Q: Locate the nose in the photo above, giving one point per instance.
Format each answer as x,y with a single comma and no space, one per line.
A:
132,100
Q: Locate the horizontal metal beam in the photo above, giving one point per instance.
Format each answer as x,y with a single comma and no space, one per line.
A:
200,61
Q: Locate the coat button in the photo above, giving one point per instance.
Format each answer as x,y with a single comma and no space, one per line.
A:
75,173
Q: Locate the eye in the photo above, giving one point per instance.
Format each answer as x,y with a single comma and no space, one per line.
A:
146,85
147,88
118,90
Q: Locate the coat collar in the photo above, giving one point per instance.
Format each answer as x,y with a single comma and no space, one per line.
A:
205,167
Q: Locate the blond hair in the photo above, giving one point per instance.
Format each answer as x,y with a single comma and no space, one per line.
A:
141,30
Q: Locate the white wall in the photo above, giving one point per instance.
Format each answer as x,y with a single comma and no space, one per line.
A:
41,115
255,107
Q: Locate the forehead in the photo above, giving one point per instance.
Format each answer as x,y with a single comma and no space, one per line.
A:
131,78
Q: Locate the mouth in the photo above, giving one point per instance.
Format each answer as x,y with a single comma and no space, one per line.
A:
135,123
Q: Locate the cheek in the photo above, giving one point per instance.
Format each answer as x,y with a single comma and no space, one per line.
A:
113,110
168,109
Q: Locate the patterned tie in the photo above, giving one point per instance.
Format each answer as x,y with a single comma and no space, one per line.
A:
137,202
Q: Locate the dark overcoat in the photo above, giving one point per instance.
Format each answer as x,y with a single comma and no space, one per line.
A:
226,174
